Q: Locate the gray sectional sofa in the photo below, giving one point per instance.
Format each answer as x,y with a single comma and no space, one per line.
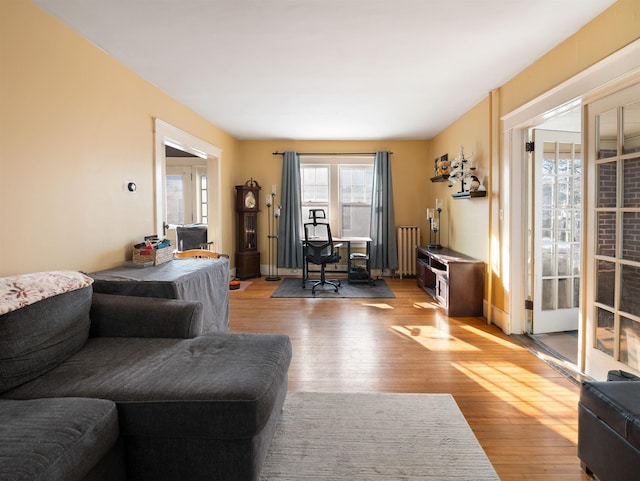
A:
105,387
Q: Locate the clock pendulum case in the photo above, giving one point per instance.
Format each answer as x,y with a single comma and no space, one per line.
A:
247,208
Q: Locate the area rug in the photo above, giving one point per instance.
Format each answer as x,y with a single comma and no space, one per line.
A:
362,437
292,287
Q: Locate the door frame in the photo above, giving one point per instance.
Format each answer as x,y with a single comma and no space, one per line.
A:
608,75
167,134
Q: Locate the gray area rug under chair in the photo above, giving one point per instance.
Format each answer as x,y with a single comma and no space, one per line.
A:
362,436
292,287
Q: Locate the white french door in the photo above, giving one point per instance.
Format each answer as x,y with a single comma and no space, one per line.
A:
557,224
179,190
613,208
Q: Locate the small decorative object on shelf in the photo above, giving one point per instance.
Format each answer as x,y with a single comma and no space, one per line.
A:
434,225
441,168
464,170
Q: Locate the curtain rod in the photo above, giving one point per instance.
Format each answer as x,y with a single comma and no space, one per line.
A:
330,153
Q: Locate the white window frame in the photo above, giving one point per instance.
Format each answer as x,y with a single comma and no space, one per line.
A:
334,163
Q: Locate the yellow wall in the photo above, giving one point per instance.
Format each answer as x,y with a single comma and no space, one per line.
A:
410,166
464,221
613,29
75,124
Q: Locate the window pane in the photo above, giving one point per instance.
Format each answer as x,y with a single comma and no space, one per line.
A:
564,259
605,279
575,263
548,184
175,200
631,183
631,128
630,342
548,259
606,234
630,290
577,225
564,192
604,331
607,184
607,137
355,200
631,236
355,220
564,293
548,294
315,184
577,182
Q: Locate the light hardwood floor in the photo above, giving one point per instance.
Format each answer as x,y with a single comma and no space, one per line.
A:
523,412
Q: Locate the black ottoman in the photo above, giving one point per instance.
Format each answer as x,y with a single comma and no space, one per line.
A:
609,429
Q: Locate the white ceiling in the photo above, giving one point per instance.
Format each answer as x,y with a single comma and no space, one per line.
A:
327,69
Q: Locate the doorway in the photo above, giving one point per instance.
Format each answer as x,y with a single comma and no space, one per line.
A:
186,195
555,232
208,209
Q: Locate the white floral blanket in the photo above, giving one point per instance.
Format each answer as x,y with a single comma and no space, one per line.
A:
24,289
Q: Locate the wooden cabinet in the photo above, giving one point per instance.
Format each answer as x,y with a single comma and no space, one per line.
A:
454,280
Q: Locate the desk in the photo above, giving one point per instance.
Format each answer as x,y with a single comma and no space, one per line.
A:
204,280
358,263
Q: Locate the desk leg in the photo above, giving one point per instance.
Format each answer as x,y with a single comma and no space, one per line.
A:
368,264
305,268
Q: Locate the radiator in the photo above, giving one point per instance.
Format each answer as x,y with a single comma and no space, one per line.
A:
408,241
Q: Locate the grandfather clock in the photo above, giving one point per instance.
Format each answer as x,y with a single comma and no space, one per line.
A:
247,254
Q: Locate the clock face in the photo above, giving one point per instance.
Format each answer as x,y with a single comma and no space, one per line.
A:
250,200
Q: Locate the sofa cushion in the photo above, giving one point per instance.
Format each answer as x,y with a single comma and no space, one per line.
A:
54,439
39,336
616,403
215,385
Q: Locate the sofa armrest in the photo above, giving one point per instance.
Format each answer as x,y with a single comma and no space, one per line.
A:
130,316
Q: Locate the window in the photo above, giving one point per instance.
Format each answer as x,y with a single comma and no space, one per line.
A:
343,188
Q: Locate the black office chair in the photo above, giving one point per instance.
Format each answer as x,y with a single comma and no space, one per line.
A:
319,248
192,236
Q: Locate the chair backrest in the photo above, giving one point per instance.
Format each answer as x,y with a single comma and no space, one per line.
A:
192,236
318,242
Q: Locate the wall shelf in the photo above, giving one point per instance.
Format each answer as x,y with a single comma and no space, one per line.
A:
469,195
440,178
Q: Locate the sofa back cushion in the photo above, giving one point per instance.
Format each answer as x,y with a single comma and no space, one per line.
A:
44,327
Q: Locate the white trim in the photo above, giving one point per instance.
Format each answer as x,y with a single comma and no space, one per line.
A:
618,69
165,133
611,73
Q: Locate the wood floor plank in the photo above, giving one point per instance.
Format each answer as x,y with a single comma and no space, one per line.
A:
523,411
